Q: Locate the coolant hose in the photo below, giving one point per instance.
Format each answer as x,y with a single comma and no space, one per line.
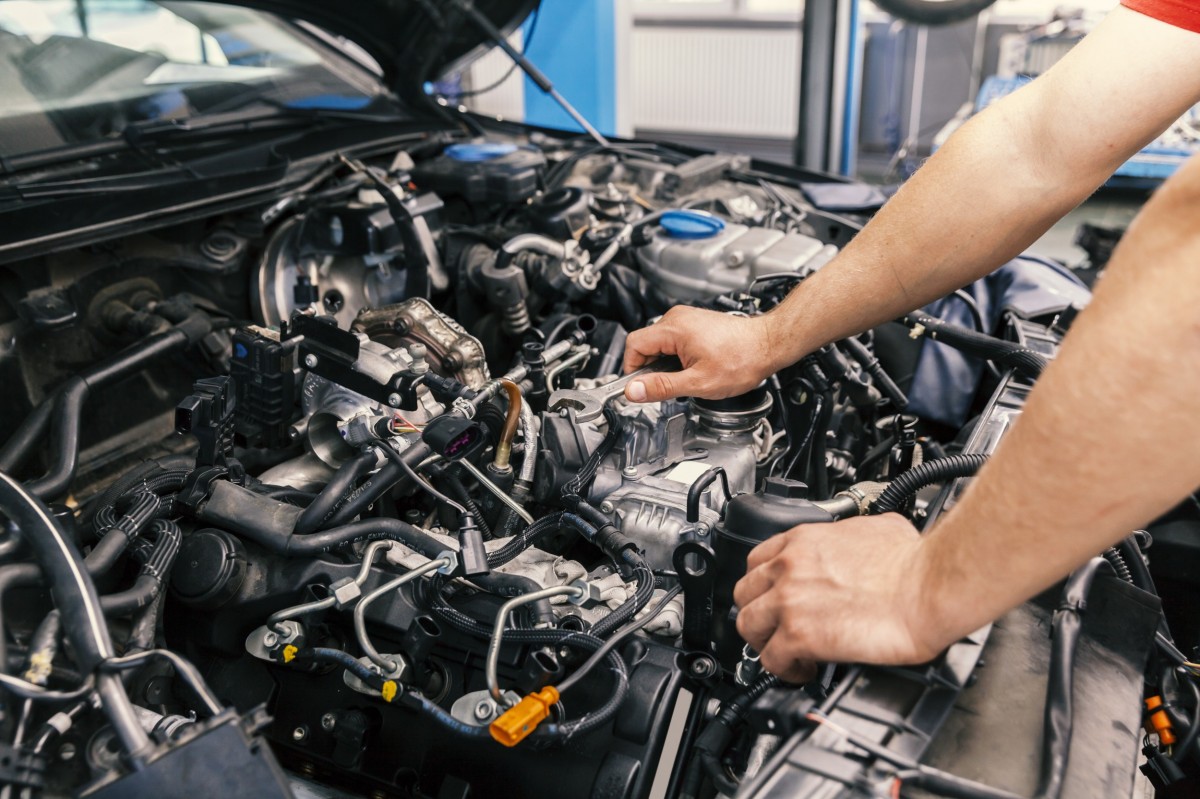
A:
76,599
928,473
1005,353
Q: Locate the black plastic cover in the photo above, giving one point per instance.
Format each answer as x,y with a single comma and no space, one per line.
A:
751,519
222,760
506,179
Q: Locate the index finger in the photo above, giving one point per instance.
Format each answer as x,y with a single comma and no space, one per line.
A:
643,346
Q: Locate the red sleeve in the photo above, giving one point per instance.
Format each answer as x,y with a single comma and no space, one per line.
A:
1180,13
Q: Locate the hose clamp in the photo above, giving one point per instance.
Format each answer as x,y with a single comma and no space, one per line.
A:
464,406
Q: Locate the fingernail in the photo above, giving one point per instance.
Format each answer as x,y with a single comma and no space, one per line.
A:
636,391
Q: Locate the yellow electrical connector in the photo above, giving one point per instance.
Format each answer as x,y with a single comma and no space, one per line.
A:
516,723
289,653
389,690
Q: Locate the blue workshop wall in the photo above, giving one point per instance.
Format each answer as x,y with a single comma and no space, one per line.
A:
575,45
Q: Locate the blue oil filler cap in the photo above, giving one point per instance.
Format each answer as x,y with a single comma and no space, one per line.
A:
475,152
690,224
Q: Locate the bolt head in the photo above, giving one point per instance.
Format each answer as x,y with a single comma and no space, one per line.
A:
328,721
270,639
606,507
67,752
310,361
300,733
483,710
394,400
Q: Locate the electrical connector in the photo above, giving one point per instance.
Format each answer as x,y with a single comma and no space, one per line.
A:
520,720
1158,722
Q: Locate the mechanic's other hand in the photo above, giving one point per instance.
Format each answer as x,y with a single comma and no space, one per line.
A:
851,591
722,355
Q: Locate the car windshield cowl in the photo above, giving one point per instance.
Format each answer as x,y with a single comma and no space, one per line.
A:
153,139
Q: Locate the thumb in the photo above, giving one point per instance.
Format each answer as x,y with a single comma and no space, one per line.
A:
661,386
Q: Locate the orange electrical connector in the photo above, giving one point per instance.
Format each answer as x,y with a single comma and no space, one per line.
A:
516,723
1159,722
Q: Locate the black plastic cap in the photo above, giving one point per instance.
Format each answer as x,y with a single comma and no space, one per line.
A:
209,569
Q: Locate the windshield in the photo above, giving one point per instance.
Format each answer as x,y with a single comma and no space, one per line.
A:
75,71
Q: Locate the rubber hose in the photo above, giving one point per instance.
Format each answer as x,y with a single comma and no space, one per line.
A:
337,491
1029,363
388,476
883,381
320,654
1182,751
1058,721
153,575
76,599
15,575
138,474
64,457
631,606
69,399
32,430
927,474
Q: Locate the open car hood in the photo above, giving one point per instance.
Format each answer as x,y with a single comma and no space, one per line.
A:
413,40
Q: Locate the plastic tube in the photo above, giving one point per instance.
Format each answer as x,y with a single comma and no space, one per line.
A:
928,473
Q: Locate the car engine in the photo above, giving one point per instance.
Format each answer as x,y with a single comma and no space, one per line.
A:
354,476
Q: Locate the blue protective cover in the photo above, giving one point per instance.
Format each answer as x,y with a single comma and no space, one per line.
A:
475,152
690,224
1029,286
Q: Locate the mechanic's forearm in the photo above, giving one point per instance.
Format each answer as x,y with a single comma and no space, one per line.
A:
976,204
1001,181
1107,441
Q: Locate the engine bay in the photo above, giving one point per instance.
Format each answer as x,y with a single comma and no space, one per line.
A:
363,455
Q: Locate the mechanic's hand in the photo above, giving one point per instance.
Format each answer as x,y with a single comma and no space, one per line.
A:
850,591
722,355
